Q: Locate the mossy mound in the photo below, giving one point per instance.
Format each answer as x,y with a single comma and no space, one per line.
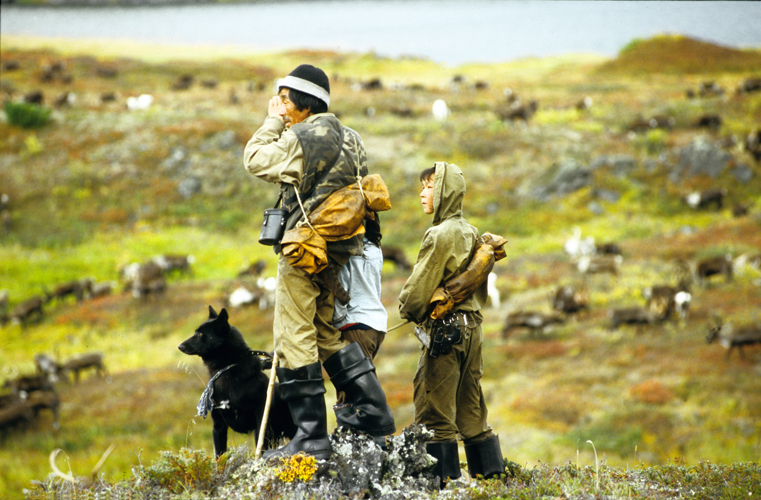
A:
681,55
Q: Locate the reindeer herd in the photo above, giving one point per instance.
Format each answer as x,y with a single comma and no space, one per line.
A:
662,302
140,279
25,396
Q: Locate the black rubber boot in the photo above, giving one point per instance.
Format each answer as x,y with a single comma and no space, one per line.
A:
448,465
485,458
304,391
365,410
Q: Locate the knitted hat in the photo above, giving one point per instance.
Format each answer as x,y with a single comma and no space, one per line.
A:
308,79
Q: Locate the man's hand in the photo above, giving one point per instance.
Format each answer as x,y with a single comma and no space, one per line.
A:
276,108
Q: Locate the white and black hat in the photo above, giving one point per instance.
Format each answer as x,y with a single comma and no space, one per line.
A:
308,79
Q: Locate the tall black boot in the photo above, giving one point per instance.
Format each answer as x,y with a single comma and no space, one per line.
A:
485,458
304,391
365,410
448,465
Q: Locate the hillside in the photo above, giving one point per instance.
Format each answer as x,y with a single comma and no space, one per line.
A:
101,186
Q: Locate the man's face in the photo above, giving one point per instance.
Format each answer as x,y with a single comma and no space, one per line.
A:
426,196
292,115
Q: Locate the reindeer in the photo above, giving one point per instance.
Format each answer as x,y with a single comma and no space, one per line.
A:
730,336
170,263
712,266
529,319
664,300
570,300
83,362
26,384
47,366
591,264
144,279
76,288
630,316
517,110
25,310
703,199
101,289
25,409
254,270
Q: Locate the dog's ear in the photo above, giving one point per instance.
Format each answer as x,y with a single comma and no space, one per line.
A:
223,315
212,313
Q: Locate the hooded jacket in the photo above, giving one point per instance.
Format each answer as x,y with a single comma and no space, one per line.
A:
446,250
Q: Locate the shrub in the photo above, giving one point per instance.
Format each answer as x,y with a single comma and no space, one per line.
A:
26,115
190,470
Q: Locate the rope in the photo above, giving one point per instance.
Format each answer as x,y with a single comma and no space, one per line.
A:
306,218
398,326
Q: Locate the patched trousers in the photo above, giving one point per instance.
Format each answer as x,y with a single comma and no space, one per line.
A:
303,329
447,391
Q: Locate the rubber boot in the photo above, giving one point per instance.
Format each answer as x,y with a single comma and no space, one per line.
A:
448,465
365,409
485,458
303,389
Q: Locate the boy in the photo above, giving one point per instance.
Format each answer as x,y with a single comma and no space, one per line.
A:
447,389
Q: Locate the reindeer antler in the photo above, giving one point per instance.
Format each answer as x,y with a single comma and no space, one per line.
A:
68,477
94,473
57,472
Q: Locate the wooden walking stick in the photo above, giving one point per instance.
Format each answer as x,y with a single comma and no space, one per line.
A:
265,416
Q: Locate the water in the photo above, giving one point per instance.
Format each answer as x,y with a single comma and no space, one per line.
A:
448,32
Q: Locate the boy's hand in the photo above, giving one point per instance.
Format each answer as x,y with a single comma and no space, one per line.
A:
276,108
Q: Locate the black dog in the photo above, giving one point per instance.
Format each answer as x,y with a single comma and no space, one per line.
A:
237,389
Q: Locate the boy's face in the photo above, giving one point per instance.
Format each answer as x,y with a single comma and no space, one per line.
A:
426,196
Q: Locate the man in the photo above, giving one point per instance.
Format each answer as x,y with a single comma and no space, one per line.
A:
310,154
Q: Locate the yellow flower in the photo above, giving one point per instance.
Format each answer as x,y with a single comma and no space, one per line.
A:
298,466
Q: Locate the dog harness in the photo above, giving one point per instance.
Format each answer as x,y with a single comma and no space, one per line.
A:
205,405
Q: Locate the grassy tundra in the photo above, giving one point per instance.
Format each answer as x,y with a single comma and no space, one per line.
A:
99,187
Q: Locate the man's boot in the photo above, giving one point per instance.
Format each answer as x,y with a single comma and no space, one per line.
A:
448,465
485,458
365,410
304,391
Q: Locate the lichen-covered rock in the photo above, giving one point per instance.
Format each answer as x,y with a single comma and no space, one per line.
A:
358,468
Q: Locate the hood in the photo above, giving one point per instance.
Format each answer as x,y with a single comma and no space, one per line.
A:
449,191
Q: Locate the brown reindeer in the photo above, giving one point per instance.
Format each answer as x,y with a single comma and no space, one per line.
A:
144,279
570,300
703,199
25,310
662,301
630,316
170,263
714,266
24,410
75,288
254,270
529,319
25,384
84,362
592,264
730,336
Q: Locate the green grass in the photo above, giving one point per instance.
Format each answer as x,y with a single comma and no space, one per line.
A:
97,188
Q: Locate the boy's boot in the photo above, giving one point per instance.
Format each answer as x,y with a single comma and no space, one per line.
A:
485,458
365,409
304,391
448,465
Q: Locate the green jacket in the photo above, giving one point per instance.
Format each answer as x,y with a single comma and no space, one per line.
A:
446,250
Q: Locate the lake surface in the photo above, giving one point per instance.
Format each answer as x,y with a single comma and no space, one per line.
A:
448,32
